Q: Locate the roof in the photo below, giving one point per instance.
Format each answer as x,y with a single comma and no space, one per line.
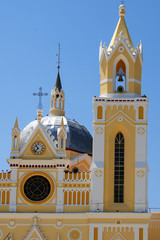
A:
121,27
78,137
58,82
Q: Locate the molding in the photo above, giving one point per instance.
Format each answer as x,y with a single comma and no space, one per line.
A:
88,215
134,80
106,80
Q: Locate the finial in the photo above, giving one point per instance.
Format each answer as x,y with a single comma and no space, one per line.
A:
58,55
122,9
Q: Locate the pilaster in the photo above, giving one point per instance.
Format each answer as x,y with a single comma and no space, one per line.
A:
60,193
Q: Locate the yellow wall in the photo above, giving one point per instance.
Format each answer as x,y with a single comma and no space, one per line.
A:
128,131
154,227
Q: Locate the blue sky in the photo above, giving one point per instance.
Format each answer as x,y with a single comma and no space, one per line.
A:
30,31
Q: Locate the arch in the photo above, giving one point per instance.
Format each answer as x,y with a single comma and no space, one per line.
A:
141,112
121,59
122,65
119,168
99,112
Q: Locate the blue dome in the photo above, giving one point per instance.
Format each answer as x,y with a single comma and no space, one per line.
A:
78,137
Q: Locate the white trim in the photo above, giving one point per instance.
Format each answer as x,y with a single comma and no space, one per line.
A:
134,80
106,80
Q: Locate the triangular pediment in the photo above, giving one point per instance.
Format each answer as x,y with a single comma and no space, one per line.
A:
118,236
120,116
39,135
35,232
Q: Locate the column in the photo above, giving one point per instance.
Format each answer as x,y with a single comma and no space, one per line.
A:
100,231
13,192
136,233
60,193
145,233
91,232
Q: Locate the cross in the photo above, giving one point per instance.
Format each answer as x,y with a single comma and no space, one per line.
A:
40,94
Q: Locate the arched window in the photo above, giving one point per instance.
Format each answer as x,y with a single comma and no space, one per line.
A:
15,141
121,76
99,112
119,169
140,112
61,142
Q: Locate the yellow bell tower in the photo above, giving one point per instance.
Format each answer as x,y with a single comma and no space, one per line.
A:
120,63
120,125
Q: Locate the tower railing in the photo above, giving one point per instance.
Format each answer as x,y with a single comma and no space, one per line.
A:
5,176
78,177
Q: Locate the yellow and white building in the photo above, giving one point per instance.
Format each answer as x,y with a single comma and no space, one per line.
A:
56,189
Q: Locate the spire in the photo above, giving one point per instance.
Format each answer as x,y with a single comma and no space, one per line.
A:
58,82
57,94
62,123
121,27
16,123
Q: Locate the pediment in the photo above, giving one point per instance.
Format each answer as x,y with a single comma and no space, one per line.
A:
120,116
39,135
35,233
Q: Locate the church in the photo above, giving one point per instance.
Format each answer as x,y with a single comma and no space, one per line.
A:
63,183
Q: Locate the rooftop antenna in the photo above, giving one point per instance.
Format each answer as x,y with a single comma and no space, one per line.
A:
58,55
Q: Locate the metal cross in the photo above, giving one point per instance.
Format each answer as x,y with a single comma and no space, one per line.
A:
40,94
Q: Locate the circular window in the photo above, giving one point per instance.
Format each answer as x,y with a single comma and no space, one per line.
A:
121,49
37,188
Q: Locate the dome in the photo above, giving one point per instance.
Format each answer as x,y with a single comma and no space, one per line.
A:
78,137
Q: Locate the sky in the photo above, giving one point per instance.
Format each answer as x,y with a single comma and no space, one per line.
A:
30,31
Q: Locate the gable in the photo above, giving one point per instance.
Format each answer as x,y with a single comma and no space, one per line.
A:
27,151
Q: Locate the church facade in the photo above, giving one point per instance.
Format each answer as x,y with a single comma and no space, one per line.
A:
62,184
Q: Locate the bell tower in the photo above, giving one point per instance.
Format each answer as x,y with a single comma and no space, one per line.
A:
120,62
120,127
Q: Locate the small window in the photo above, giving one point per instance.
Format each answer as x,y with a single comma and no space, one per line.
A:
141,112
99,112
